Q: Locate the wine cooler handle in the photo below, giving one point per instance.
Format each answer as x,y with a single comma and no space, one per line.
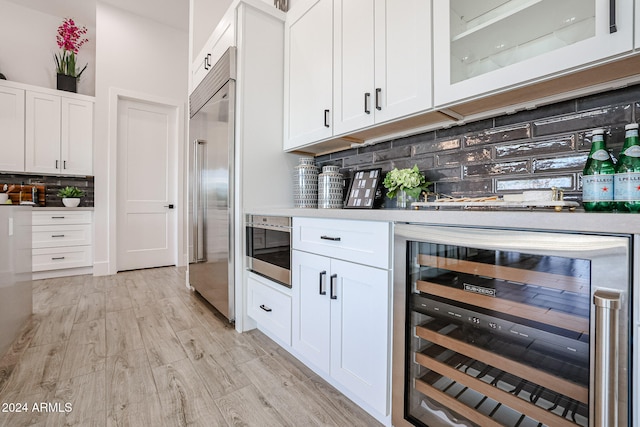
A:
612,17
332,291
322,288
606,358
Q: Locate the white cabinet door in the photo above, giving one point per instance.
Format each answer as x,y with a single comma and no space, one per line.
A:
354,65
403,58
76,137
382,61
481,47
360,331
12,125
311,307
308,98
42,133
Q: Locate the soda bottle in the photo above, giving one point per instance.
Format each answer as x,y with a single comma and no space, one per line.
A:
627,177
597,177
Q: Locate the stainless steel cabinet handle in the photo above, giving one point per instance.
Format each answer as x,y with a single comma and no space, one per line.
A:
333,286
606,357
322,288
334,239
378,106
367,95
326,118
612,17
265,308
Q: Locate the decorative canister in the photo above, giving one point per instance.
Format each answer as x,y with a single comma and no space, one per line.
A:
330,188
305,184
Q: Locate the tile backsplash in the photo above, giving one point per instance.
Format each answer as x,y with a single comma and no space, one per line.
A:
53,184
533,149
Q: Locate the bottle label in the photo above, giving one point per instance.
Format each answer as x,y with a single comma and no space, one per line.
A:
597,188
600,155
633,151
627,187
631,133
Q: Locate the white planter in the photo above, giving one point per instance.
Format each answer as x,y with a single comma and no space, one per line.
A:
71,202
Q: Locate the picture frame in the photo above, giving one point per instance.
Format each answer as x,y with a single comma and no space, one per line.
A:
362,191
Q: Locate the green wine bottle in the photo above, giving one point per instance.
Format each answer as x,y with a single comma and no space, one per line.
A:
627,177
597,177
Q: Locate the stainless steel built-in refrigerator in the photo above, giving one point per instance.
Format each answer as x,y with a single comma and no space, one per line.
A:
211,186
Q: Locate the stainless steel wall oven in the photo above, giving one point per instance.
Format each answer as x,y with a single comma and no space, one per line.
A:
510,328
269,247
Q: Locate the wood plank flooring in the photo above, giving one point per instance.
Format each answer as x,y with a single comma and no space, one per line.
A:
139,349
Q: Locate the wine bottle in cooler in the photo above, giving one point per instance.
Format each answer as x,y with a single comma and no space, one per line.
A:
627,177
597,177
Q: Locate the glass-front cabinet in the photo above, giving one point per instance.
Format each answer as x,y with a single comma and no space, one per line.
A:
480,47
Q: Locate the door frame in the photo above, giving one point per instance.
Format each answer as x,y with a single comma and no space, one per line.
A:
115,96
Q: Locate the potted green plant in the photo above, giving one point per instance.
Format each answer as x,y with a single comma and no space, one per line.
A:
405,185
70,196
70,38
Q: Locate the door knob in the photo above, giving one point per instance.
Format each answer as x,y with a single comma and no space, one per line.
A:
169,206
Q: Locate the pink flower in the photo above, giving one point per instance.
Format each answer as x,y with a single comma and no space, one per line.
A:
70,36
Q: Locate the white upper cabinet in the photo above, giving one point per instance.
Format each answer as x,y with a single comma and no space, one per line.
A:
221,39
484,46
382,61
58,134
12,125
308,100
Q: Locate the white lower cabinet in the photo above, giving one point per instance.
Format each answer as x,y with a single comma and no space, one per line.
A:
62,243
341,313
270,306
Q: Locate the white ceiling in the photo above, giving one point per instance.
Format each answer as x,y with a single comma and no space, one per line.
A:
174,13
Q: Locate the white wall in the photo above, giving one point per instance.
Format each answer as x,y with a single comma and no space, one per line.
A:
137,56
28,44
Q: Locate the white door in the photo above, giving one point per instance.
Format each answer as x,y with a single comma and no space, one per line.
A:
76,144
146,185
42,133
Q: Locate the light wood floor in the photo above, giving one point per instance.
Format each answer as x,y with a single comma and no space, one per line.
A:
139,349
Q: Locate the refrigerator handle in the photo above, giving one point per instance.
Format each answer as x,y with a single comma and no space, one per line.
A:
198,203
606,357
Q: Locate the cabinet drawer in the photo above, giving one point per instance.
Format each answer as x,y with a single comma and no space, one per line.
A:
363,242
61,217
49,236
270,308
59,258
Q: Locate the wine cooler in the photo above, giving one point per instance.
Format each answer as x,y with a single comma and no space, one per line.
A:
510,328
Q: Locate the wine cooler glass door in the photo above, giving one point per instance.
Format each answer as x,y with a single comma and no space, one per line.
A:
511,328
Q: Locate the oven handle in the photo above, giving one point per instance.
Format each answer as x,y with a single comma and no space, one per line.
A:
606,357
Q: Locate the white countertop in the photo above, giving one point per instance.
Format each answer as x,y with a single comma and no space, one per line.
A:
578,221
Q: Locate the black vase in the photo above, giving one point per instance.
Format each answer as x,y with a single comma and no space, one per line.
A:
68,83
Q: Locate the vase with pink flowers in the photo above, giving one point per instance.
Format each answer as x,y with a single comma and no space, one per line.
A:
70,39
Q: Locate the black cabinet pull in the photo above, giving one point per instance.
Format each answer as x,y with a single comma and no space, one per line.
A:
207,63
333,286
333,239
367,95
265,308
322,289
57,217
326,118
57,258
64,164
612,17
56,164
378,106
57,235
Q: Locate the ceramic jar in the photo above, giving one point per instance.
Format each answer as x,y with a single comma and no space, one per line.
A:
305,184
330,188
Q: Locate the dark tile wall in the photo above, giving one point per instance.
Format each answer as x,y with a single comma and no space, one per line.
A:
53,184
534,149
